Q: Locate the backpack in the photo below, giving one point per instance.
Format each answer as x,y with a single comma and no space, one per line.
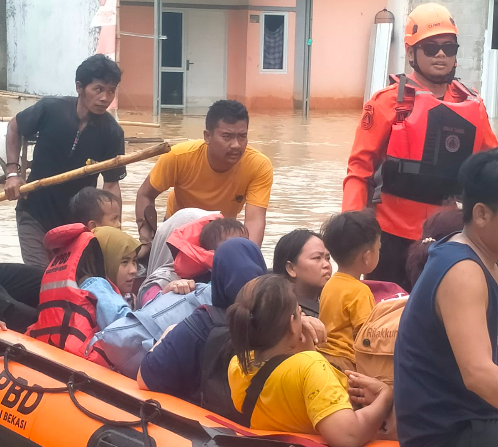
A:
215,391
126,341
374,344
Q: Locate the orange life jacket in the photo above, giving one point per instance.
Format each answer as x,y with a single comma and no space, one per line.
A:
429,142
192,260
67,317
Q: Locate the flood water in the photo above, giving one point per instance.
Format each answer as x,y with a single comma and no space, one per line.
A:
309,160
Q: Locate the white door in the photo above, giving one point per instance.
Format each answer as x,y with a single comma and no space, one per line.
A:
206,65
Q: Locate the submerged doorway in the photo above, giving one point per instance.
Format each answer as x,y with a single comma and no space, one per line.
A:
193,69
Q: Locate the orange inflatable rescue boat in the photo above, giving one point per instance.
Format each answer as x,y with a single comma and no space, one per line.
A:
49,397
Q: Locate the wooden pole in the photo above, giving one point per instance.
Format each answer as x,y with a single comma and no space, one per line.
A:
95,168
6,119
138,123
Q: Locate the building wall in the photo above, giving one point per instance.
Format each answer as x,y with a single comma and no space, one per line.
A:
137,57
269,90
471,19
46,42
237,55
341,35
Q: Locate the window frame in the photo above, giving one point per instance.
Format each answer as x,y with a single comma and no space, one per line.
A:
262,43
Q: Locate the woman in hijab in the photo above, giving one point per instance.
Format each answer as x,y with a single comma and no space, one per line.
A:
173,366
120,261
161,271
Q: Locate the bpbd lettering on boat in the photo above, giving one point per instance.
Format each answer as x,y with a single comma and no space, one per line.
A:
17,402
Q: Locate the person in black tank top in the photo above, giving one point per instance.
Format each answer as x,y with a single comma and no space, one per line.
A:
445,361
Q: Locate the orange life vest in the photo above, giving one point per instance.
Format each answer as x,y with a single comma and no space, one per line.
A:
191,259
429,142
67,317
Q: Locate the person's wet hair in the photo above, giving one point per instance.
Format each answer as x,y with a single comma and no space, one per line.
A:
345,235
228,111
479,179
435,228
98,67
260,316
86,204
289,247
219,230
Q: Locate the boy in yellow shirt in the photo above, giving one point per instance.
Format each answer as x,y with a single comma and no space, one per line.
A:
353,239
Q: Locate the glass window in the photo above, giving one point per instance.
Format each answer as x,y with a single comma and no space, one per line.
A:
274,42
172,88
172,46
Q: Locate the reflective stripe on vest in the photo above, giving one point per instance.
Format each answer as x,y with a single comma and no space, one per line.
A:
59,285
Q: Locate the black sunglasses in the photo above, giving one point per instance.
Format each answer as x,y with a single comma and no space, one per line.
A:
431,49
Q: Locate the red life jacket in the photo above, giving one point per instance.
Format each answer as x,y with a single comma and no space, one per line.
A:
67,317
429,143
191,259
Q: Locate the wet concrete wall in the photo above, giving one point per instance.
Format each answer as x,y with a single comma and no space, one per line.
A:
3,46
471,18
46,41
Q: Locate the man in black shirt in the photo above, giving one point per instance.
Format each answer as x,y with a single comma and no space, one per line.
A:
71,130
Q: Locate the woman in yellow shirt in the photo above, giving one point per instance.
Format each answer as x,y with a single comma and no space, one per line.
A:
299,391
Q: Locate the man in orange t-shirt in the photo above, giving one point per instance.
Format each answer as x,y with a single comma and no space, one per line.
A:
220,173
431,46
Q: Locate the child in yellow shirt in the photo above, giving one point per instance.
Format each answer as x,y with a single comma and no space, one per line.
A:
353,239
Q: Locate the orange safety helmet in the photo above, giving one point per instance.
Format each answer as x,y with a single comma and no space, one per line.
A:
427,20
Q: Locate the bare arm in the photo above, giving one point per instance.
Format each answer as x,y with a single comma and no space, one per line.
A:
255,223
358,427
13,148
462,300
146,196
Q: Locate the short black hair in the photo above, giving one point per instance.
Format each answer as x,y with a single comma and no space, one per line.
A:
85,205
226,110
212,234
345,235
289,247
98,67
478,177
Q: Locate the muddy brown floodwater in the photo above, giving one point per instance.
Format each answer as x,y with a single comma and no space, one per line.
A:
309,160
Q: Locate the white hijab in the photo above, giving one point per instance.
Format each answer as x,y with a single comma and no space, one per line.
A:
161,270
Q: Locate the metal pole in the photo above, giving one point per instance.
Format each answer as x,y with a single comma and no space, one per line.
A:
308,35
117,49
157,49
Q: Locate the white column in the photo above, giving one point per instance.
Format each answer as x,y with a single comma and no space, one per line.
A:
397,55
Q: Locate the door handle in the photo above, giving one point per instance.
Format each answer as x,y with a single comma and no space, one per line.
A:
189,64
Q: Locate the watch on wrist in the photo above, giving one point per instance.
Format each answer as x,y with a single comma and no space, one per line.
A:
12,174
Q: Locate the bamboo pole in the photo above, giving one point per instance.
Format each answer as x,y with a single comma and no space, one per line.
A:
137,123
6,119
8,93
94,168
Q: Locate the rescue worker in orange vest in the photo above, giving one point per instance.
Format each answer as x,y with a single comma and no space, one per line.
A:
412,139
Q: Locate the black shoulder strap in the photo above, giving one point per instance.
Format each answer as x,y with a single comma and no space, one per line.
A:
189,321
217,315
257,384
462,86
401,88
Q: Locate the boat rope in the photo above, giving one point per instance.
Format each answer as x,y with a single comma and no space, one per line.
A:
149,409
